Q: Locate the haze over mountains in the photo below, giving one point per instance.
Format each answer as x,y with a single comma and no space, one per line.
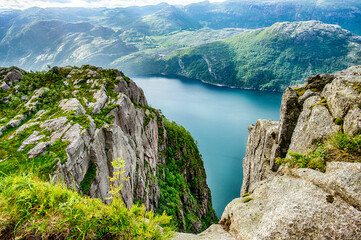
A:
154,39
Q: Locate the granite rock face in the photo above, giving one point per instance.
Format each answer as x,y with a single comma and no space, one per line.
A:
302,203
215,232
286,207
103,116
261,139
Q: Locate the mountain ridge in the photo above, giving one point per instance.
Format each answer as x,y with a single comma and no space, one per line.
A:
69,124
270,58
144,30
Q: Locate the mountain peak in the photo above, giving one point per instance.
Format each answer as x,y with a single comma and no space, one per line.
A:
311,27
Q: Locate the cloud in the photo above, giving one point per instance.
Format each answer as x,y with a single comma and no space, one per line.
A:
23,4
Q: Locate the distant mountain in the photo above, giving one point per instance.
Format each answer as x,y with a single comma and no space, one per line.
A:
148,39
157,19
167,20
264,13
54,42
61,43
271,58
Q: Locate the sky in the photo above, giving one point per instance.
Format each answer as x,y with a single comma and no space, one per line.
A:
23,4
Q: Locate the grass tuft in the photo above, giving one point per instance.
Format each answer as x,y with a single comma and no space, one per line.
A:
246,200
246,195
338,147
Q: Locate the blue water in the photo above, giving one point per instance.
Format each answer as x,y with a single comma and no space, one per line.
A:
218,118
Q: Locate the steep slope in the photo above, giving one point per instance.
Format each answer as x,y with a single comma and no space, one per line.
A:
70,123
316,195
167,20
269,58
149,61
52,42
46,42
264,13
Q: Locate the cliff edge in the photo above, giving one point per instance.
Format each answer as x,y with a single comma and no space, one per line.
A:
68,124
301,179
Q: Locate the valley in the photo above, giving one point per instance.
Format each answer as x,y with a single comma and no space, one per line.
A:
213,42
216,117
154,120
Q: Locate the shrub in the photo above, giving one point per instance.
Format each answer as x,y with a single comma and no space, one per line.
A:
34,208
14,101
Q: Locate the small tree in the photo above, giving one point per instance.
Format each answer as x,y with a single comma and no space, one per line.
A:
117,175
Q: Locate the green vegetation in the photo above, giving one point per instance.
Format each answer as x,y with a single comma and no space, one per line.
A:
245,195
117,175
89,177
55,87
267,59
338,147
82,120
246,200
323,103
19,161
32,208
183,175
338,121
300,91
345,147
57,100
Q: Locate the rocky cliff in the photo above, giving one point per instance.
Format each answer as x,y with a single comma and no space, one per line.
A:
69,124
316,193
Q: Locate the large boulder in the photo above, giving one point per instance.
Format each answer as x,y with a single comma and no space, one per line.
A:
12,76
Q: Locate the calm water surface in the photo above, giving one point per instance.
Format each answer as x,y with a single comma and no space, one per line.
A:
218,119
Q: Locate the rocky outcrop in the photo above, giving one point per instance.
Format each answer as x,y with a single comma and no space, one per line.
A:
256,164
301,203
77,121
286,207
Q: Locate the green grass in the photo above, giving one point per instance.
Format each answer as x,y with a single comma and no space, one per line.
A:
30,207
337,147
345,147
82,120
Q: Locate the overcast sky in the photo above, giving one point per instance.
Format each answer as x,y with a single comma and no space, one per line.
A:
22,4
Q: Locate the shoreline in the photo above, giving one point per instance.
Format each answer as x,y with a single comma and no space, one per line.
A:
182,77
